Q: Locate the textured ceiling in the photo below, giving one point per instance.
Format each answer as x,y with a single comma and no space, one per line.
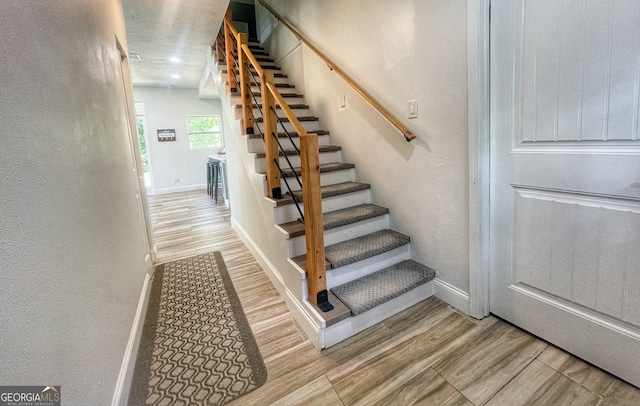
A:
161,29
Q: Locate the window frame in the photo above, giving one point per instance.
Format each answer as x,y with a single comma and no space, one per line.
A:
189,133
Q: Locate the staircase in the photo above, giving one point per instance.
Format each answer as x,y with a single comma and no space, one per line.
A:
370,275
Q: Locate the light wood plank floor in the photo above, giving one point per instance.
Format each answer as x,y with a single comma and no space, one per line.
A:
429,354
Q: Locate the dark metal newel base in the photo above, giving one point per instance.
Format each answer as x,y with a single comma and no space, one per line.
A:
323,301
249,130
276,192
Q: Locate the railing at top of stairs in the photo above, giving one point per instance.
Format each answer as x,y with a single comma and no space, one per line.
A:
233,42
408,135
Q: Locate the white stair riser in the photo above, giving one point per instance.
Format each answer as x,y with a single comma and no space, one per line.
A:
257,113
255,88
348,273
288,213
297,112
258,99
275,80
298,245
256,145
327,178
309,126
325,158
353,325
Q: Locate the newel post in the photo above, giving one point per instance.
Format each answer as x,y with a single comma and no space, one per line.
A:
245,84
232,83
314,230
270,132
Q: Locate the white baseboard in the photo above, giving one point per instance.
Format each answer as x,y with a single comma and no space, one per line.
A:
262,259
452,295
310,327
123,385
188,188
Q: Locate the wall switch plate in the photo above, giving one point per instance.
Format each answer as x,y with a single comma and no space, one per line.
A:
176,180
342,102
412,108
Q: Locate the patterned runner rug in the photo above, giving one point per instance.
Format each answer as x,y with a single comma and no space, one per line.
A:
197,347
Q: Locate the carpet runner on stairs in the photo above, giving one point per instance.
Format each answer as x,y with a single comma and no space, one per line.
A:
329,167
292,151
336,189
350,207
367,246
338,218
377,288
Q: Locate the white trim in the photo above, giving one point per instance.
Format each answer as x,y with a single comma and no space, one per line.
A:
587,314
123,384
451,295
478,128
353,325
262,259
179,189
310,327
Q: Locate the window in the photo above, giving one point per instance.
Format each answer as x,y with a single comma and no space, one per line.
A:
139,108
142,139
204,131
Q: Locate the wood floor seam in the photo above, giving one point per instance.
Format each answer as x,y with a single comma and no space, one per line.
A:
395,362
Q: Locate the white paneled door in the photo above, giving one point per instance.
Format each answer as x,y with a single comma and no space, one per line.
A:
565,175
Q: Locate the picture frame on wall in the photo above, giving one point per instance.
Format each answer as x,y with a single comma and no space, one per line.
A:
167,134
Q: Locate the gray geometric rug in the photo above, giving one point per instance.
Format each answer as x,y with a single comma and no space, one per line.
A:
197,347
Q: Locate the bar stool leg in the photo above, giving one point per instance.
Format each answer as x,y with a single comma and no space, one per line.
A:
216,176
208,178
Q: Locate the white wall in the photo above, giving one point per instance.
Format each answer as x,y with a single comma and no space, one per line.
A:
72,235
398,51
168,108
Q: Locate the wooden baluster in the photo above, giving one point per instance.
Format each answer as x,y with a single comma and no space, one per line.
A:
232,83
313,227
220,47
245,85
270,128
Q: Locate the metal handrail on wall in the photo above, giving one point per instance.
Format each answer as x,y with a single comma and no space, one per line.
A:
408,135
309,150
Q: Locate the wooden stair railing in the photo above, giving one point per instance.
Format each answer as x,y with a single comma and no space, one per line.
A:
408,135
309,152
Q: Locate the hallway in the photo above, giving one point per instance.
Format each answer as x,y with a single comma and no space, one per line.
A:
428,354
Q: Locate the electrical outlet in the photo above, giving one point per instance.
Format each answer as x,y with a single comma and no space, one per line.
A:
412,108
176,180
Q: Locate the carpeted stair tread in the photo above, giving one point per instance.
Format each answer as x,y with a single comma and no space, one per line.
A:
285,95
377,288
293,134
338,218
286,120
275,74
336,189
358,249
292,151
278,84
291,106
367,246
324,168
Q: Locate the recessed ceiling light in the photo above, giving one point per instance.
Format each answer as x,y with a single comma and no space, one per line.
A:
174,59
175,76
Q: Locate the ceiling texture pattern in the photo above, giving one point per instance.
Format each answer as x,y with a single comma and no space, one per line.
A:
159,30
